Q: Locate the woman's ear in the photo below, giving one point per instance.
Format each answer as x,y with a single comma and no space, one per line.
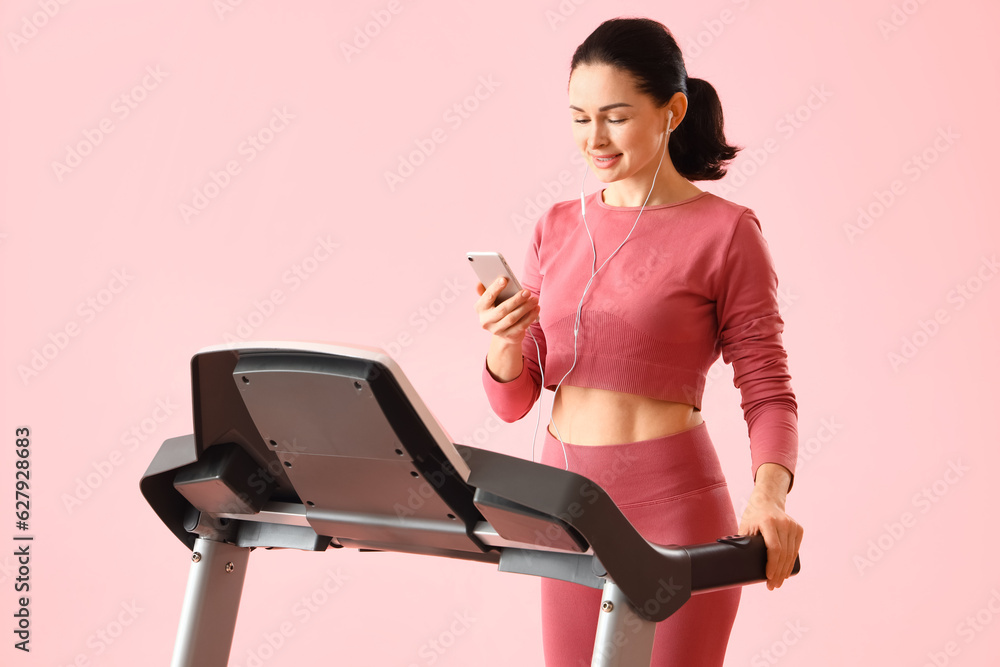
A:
678,105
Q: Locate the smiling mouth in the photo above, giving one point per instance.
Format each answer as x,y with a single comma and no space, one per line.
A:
607,159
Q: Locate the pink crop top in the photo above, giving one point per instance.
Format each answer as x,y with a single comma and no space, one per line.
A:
694,280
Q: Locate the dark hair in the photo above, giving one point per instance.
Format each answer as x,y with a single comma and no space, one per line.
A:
646,49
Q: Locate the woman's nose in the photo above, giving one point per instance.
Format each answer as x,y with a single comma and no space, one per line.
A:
597,137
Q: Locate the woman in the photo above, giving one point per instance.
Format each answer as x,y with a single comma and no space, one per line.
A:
644,284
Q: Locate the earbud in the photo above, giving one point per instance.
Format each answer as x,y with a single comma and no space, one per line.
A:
583,204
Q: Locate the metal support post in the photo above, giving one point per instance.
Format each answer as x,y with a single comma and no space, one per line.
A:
624,639
211,603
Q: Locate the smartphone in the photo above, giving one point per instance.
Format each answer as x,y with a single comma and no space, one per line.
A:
491,265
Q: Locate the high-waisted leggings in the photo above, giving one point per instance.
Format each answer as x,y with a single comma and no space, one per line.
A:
673,491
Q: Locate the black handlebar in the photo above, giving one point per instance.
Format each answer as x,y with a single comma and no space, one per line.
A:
734,560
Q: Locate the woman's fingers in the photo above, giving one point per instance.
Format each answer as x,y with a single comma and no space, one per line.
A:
774,553
504,318
782,539
489,294
526,320
795,539
517,311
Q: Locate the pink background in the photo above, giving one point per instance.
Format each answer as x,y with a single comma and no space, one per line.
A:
890,576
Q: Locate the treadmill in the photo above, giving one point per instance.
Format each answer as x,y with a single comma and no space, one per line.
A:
321,447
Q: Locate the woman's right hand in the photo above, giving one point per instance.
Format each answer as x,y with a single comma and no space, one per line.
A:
509,320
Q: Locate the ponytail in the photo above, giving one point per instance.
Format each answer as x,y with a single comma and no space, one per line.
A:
698,146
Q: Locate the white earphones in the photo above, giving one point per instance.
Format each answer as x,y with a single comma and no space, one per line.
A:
593,274
583,206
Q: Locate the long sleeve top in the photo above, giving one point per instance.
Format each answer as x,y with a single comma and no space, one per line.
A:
695,279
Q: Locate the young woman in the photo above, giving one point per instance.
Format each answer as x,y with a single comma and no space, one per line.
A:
630,295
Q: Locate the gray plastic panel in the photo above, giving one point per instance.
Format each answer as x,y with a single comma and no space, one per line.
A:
364,485
404,533
305,412
330,430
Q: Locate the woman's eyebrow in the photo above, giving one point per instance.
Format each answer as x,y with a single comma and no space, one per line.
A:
605,107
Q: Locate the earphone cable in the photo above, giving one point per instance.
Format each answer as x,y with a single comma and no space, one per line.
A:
579,308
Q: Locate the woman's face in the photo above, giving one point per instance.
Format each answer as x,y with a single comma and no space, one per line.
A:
618,129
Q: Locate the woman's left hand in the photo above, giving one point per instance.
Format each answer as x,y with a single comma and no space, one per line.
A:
765,514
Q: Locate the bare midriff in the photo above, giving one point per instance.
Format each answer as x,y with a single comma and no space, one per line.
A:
588,416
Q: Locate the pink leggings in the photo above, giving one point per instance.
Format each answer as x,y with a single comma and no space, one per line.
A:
673,491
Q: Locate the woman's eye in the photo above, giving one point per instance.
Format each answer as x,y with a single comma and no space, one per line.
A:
616,121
